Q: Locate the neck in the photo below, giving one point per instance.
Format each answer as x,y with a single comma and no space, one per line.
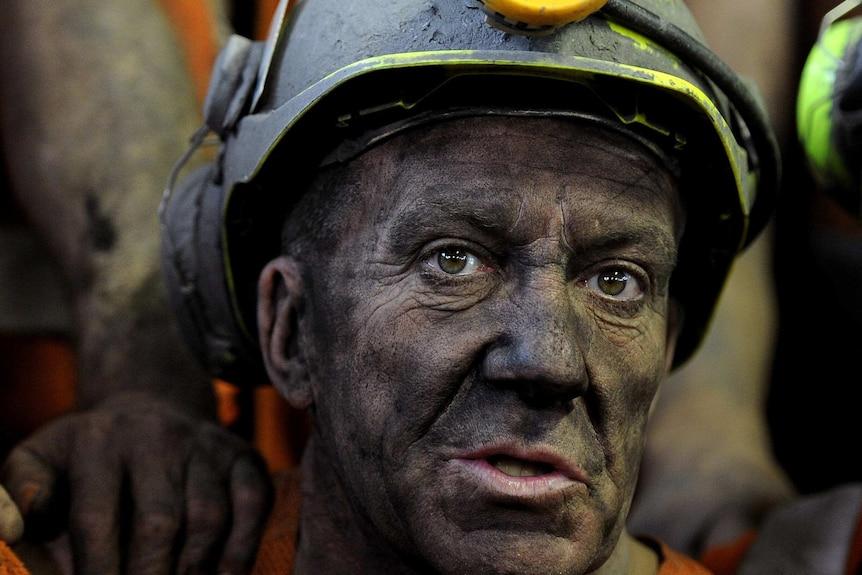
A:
334,537
630,557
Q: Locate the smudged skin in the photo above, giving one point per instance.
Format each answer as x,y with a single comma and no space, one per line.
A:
500,289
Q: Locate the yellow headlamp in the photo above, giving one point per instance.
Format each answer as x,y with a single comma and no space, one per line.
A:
537,16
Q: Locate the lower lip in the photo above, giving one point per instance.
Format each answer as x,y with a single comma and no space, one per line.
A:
528,487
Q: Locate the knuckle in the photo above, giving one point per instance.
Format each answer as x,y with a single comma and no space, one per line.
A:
251,498
208,515
157,526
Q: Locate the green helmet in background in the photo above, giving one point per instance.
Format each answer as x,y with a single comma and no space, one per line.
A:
829,107
337,76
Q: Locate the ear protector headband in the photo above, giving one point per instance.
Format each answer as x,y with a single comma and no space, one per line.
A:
193,207
829,106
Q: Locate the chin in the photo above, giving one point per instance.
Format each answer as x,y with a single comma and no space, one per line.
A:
499,552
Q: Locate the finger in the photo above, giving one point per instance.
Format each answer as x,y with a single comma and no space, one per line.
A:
251,501
207,515
11,522
96,483
31,476
30,481
156,480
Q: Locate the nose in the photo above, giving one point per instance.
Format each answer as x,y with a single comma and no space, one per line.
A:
539,353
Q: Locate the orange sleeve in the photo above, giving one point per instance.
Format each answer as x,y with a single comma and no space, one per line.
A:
726,559
673,563
9,562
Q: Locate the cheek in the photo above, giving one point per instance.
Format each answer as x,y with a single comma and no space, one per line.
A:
639,334
635,347
415,364
389,365
625,376
631,387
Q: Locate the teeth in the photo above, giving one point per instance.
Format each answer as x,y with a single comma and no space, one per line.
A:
519,467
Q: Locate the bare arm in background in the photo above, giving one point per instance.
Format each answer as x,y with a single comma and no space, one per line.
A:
96,106
709,421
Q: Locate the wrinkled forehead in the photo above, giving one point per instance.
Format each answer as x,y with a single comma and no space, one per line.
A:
495,166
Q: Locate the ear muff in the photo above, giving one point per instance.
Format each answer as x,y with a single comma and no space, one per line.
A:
193,268
829,107
233,83
191,224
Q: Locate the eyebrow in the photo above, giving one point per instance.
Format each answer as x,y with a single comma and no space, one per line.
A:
659,243
414,223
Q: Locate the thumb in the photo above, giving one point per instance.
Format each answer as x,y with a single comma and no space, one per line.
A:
11,522
30,476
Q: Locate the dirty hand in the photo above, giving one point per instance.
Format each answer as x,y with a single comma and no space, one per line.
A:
142,487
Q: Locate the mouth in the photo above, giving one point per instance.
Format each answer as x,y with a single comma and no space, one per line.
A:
514,467
523,476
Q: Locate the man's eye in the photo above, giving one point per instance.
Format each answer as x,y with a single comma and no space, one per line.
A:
456,261
617,284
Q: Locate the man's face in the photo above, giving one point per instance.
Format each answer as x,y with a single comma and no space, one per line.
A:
485,341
